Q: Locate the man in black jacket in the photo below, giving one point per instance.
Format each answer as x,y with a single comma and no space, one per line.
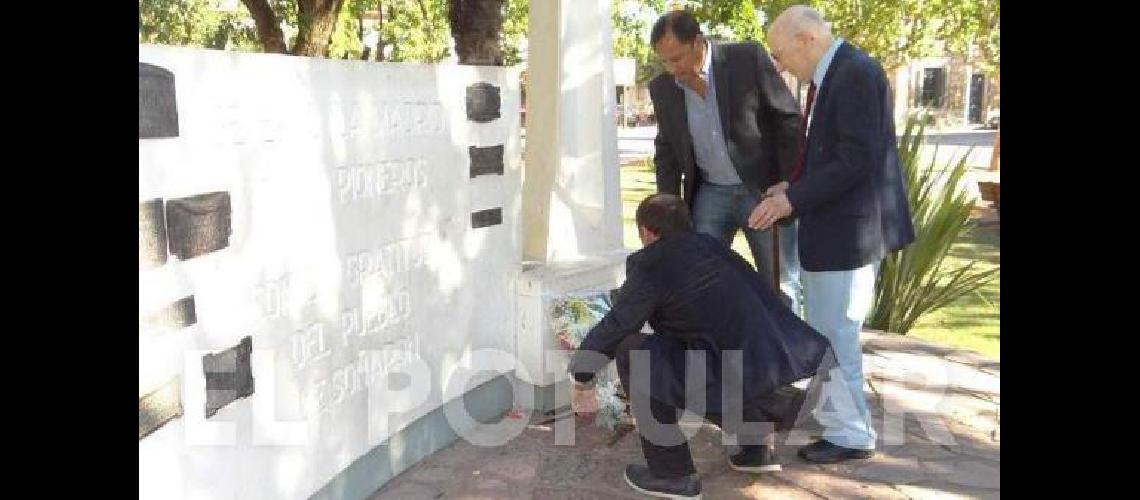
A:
727,129
723,342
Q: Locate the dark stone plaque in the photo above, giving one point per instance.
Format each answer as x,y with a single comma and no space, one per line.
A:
177,315
158,109
198,224
489,217
152,234
229,376
483,102
160,407
486,161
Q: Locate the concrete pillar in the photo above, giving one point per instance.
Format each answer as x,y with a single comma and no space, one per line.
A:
572,210
571,188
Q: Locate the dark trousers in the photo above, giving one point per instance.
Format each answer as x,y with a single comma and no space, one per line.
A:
664,445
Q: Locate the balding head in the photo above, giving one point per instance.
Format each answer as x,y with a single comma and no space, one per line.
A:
798,38
799,19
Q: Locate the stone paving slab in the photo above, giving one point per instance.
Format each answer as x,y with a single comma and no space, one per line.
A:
940,405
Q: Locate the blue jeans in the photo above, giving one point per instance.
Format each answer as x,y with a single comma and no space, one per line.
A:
835,303
721,210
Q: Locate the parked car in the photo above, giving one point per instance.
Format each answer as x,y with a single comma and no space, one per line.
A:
994,119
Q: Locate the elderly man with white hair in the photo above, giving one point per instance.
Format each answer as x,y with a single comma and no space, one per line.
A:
850,201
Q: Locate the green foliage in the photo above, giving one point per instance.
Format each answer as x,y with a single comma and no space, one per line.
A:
516,22
194,23
347,41
893,31
417,30
914,282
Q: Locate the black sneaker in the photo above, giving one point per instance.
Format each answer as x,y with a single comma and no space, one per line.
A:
640,479
755,459
824,452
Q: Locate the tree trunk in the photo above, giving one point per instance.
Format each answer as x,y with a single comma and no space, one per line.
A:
317,20
380,30
365,50
476,26
268,31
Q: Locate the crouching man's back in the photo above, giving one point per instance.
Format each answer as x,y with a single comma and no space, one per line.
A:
718,326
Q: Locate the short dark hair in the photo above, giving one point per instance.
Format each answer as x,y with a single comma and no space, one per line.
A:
680,23
664,214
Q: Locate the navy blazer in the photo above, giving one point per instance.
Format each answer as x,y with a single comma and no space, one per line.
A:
699,295
850,198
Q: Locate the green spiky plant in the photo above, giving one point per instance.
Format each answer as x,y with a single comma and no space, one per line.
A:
913,281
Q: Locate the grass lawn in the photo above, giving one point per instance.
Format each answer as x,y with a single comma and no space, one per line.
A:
973,321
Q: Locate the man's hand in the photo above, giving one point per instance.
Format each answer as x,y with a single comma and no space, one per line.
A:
583,399
770,210
564,341
778,188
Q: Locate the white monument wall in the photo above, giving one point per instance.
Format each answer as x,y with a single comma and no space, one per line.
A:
352,251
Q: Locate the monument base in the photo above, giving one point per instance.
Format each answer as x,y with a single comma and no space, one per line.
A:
539,286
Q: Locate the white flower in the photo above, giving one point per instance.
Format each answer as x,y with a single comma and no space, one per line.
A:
573,316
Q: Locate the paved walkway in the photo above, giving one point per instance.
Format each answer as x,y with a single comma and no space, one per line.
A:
936,410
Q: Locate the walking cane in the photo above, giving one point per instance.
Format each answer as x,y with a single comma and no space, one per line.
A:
776,257
775,252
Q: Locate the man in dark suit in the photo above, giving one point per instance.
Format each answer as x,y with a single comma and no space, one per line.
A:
727,129
848,195
723,342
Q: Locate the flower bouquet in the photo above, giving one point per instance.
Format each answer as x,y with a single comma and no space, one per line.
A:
573,317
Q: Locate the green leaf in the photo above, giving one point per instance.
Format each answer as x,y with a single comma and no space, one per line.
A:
913,281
